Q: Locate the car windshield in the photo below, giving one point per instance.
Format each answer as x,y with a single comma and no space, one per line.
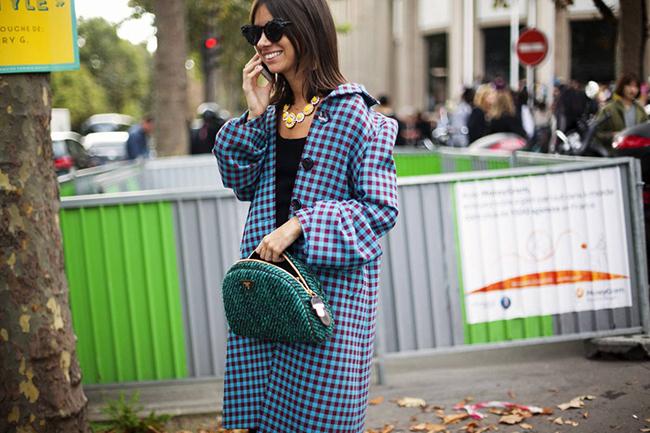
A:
59,149
108,127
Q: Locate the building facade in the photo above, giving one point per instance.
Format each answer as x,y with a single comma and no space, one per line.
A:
423,52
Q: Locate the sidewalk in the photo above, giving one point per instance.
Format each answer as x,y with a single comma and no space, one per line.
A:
541,376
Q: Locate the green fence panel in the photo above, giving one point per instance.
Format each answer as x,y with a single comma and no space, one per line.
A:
411,164
124,292
67,189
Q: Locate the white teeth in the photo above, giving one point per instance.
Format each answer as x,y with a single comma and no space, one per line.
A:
272,55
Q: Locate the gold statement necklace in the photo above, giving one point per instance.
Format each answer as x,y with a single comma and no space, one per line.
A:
291,119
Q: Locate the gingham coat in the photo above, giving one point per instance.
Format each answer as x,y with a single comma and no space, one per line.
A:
345,196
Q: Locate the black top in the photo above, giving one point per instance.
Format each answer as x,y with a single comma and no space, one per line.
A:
287,158
507,123
477,126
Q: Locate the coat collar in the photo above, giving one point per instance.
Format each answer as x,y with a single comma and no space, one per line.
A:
340,91
352,89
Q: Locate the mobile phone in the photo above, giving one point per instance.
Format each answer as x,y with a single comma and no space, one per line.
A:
266,73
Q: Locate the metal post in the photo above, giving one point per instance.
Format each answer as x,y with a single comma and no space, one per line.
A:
530,71
514,35
638,241
468,42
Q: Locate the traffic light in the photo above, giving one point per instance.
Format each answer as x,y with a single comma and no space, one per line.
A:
211,49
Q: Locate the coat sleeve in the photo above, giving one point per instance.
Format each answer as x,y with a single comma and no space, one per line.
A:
240,148
345,234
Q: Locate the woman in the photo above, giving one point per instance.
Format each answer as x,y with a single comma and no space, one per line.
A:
477,125
503,116
622,112
323,183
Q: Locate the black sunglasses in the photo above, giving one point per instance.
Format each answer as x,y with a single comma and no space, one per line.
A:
273,30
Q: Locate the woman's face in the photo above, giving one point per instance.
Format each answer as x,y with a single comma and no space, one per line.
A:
630,91
280,57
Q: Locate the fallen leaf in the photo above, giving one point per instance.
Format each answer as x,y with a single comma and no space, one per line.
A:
496,411
511,419
526,426
572,423
428,427
440,413
647,420
576,403
414,418
558,421
375,401
470,427
645,430
588,397
452,419
388,428
585,415
411,402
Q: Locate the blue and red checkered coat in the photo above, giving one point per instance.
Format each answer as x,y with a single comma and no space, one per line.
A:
345,196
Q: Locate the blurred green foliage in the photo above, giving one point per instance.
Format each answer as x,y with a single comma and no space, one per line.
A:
115,75
222,19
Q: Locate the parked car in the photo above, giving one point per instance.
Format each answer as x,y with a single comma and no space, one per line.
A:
107,146
69,153
107,122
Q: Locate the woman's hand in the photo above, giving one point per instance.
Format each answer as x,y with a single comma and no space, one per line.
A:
274,244
257,97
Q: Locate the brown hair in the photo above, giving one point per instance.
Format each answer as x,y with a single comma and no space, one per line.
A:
313,36
625,80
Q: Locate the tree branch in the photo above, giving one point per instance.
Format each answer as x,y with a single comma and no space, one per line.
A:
606,12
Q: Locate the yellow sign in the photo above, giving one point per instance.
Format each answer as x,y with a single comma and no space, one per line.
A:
38,36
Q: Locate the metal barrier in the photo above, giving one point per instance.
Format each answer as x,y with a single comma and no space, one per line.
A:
201,170
144,270
89,180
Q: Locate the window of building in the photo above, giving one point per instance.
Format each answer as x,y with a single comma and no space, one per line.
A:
496,54
437,62
593,51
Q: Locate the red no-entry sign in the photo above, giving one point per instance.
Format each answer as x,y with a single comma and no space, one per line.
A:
532,47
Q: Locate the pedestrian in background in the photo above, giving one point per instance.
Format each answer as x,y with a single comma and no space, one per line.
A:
460,118
316,163
623,111
503,116
477,124
137,145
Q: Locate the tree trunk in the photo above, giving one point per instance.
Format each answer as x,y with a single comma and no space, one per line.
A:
170,79
632,34
40,379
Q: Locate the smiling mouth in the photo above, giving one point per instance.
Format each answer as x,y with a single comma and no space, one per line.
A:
273,55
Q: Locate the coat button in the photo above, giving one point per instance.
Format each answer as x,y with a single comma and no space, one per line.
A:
323,118
295,204
307,163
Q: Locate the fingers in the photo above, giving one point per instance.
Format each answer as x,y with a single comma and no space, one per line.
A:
269,250
252,63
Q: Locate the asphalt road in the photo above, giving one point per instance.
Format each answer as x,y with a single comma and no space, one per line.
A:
621,388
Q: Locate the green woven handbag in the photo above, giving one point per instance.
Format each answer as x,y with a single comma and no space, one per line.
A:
280,302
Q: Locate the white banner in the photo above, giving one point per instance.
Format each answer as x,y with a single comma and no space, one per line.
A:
542,245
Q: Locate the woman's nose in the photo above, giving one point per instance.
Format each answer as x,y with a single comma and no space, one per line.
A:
263,42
